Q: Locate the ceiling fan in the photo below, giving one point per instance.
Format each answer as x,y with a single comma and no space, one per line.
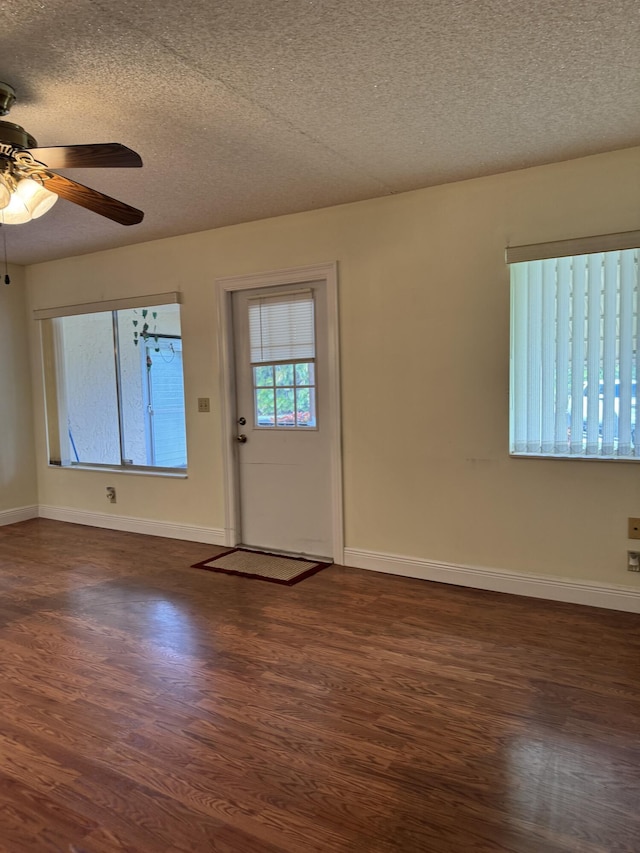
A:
29,187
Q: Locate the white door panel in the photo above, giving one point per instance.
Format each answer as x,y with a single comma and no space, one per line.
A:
284,474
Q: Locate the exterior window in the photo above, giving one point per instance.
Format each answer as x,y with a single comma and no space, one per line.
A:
282,343
574,356
114,388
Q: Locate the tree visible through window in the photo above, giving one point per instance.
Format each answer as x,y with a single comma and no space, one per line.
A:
285,395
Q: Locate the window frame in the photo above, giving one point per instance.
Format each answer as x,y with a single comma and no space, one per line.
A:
311,387
282,348
611,304
107,307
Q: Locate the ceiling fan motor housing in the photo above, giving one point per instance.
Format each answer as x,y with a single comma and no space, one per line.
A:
7,98
13,135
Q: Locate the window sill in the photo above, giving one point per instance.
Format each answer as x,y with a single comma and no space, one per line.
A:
144,472
574,458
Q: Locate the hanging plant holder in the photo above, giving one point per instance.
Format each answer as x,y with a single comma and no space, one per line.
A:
145,334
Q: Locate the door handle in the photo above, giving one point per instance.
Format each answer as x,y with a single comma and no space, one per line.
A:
242,438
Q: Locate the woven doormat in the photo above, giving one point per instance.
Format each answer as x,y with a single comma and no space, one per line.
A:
265,567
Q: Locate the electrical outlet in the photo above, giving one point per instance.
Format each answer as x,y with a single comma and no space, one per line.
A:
203,404
111,494
634,528
633,561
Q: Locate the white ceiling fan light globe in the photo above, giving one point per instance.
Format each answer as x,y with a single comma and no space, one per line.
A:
16,212
29,201
37,198
5,193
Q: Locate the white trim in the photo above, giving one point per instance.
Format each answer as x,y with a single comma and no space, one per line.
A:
578,246
589,593
276,278
190,532
13,516
172,298
229,417
328,273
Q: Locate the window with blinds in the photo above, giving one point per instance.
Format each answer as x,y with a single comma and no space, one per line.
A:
282,352
575,358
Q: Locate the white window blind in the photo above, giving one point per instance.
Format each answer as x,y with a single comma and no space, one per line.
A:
575,357
281,328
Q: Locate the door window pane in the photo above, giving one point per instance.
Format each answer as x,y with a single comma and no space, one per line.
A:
305,407
285,395
284,375
285,407
265,407
305,374
263,376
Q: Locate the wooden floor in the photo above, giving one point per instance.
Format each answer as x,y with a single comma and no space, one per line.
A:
148,706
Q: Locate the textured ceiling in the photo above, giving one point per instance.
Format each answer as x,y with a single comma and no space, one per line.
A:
243,109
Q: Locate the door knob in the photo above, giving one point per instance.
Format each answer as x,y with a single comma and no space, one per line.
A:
242,438
242,421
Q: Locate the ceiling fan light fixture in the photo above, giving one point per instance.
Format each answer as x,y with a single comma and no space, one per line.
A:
5,193
26,172
29,201
37,197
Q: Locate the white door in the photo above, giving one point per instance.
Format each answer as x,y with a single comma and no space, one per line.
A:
283,430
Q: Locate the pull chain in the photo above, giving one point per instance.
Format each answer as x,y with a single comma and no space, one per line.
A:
7,279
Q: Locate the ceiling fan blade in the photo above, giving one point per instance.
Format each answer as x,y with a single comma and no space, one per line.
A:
108,154
113,209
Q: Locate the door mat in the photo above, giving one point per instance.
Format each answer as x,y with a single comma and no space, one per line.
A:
263,566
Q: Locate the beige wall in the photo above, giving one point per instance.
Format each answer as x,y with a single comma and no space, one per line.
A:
424,313
17,459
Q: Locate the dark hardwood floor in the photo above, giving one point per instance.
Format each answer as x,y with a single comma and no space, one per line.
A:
148,706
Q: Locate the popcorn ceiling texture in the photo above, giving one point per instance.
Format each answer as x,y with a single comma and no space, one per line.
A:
244,109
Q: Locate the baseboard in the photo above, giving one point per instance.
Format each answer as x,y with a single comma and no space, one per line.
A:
190,532
589,593
536,586
13,516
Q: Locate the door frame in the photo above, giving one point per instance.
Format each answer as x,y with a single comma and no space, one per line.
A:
225,288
